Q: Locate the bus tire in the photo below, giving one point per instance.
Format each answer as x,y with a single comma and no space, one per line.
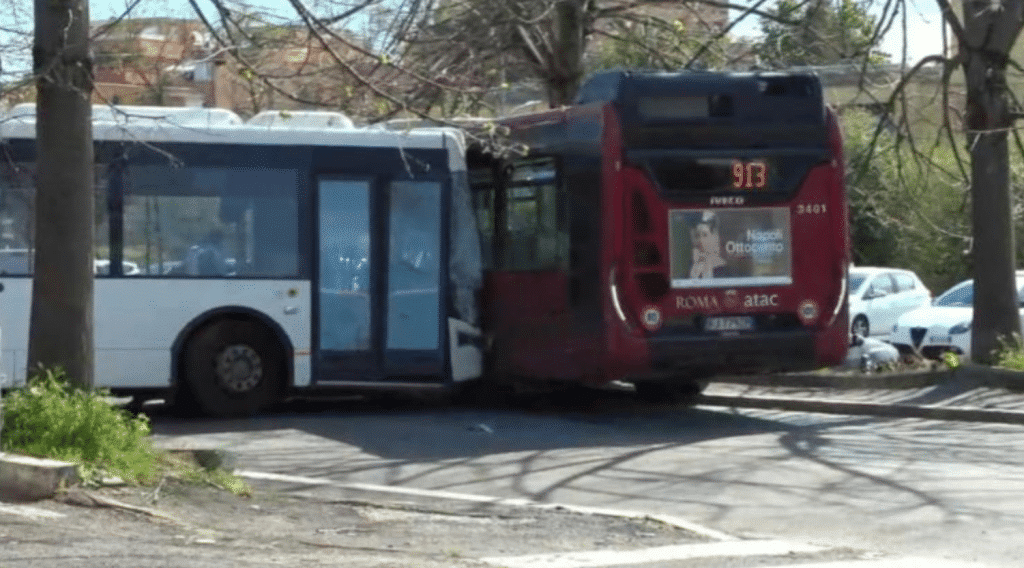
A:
233,368
669,392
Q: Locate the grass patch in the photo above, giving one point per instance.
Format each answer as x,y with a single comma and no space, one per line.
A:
50,418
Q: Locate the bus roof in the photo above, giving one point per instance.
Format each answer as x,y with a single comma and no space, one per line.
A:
221,126
625,86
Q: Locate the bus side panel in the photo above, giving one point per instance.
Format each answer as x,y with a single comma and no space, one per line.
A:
138,319
834,342
818,265
532,329
16,302
627,351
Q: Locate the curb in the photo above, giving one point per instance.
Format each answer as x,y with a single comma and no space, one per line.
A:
979,375
846,381
24,478
992,376
825,406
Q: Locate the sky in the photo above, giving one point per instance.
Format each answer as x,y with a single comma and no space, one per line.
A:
923,21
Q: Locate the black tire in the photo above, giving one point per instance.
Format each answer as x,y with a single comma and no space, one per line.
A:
233,368
860,326
669,392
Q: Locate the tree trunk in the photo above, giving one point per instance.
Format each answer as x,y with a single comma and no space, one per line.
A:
60,332
567,59
991,31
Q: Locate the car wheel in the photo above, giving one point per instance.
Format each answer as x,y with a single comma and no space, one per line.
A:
233,368
860,326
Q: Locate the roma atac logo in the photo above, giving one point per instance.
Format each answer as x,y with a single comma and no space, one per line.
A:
761,300
705,302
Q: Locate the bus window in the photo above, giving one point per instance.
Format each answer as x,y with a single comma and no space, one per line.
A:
414,270
481,183
537,238
203,221
17,218
345,261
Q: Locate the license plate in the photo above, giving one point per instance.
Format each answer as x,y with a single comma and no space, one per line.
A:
729,323
940,339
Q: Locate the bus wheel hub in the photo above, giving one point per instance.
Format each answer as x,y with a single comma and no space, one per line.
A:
239,368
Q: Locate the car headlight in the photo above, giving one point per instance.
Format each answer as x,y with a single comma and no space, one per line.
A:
962,327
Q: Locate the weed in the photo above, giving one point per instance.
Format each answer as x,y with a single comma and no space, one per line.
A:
188,471
1010,353
951,360
50,418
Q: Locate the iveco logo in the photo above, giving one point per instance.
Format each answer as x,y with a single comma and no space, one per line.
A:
734,200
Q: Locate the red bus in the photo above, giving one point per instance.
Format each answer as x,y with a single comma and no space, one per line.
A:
665,228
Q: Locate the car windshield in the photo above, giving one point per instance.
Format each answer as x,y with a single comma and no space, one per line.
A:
961,296
957,296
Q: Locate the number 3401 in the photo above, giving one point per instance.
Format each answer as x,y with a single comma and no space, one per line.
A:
810,208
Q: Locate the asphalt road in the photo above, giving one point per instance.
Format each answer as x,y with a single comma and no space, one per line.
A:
947,490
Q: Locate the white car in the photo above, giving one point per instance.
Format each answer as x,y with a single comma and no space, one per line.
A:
943,326
102,266
878,296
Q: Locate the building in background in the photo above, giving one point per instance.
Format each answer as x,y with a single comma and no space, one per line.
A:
175,62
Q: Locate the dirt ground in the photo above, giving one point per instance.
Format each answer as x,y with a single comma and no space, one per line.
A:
279,525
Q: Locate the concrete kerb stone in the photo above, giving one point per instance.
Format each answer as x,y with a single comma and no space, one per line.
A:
995,377
962,379
979,375
846,381
25,478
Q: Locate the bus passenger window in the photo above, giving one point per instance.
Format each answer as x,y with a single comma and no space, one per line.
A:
481,183
537,239
17,218
210,222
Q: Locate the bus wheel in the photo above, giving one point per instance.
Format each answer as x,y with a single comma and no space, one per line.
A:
669,392
233,368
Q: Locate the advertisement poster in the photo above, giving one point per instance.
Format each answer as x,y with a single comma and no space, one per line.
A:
730,247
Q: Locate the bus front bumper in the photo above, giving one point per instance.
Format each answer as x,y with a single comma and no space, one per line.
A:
790,350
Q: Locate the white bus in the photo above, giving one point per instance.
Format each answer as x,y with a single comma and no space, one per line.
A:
240,263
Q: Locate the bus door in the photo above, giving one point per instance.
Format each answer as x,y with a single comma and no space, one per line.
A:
379,301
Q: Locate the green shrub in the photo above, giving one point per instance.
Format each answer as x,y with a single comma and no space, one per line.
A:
49,418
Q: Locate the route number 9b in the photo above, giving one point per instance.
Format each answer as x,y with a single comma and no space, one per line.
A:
749,175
